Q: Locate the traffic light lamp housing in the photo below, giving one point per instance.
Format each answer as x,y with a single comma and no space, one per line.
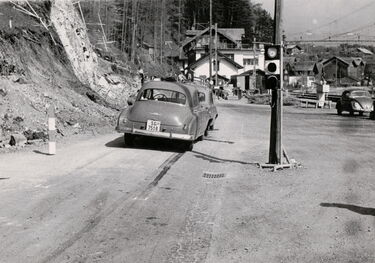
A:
272,66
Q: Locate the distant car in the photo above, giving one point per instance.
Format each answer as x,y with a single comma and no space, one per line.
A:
167,110
355,100
206,98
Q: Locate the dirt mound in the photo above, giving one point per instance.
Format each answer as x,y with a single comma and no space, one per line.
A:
36,73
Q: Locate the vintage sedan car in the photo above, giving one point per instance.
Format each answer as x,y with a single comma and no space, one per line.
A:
167,110
355,100
206,98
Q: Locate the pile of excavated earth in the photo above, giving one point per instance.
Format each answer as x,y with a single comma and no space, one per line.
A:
47,60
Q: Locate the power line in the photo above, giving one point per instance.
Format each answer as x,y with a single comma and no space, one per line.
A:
353,30
335,20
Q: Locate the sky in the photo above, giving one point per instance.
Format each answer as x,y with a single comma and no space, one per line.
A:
309,18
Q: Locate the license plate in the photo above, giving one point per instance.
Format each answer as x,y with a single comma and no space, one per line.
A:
153,126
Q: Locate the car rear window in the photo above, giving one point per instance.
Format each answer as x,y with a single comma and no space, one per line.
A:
163,95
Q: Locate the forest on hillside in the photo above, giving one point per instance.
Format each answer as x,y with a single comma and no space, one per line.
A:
129,24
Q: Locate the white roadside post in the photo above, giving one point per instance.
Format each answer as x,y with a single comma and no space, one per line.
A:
51,130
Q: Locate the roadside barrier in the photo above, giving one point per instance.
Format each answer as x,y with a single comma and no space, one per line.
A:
51,130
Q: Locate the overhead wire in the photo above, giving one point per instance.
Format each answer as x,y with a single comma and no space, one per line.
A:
335,20
359,29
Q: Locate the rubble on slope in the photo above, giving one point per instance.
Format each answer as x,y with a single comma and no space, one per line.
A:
36,74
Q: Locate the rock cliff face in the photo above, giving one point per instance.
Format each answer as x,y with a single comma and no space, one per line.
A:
73,36
71,29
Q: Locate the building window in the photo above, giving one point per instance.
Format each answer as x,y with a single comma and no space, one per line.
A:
250,61
214,65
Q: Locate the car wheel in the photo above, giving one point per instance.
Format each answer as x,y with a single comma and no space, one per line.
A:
129,139
339,109
188,146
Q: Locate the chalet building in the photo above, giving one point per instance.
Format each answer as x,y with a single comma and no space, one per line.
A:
341,70
300,73
234,57
226,67
369,73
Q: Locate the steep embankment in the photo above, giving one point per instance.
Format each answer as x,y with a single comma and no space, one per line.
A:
36,73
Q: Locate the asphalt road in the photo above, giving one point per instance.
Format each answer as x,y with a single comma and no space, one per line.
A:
96,201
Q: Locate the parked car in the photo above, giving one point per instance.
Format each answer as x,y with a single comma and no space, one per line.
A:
206,98
167,110
355,100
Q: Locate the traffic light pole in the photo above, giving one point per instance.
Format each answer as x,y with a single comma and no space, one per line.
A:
276,150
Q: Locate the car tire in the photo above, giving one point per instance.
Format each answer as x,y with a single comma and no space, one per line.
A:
206,131
188,146
339,109
129,139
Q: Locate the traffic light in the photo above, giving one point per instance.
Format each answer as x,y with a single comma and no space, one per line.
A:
272,66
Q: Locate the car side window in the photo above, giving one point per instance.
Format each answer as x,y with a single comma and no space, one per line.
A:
195,99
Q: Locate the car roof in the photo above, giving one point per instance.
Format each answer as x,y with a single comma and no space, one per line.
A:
169,85
354,89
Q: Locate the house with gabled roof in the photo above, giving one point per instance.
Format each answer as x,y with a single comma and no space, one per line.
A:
227,67
301,72
233,56
342,70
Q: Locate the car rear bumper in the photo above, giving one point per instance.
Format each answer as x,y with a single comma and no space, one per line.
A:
168,135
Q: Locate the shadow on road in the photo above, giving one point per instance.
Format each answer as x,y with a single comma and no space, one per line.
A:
367,211
43,153
147,143
213,159
215,140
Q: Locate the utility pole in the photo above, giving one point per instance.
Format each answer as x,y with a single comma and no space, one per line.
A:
254,68
161,31
276,149
179,22
210,44
216,62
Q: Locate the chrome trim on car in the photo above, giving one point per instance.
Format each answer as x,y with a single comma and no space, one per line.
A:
164,134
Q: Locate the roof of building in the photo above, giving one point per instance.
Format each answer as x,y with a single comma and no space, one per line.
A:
229,33
234,33
304,66
365,51
250,72
291,46
356,61
220,55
